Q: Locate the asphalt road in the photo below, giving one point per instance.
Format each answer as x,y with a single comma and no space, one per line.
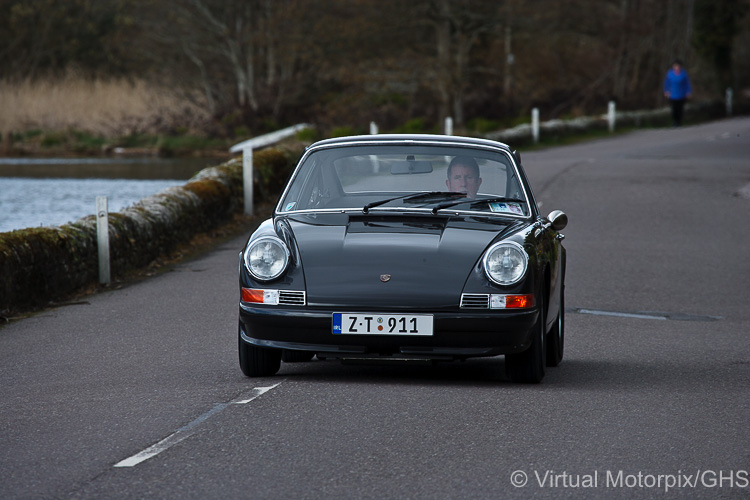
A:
138,394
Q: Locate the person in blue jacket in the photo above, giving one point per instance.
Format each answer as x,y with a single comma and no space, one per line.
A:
677,89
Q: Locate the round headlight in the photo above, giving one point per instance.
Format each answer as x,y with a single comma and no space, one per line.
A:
266,258
505,262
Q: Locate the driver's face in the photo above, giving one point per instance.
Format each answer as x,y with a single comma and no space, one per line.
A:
464,180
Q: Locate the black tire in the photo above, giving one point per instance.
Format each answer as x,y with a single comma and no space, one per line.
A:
556,336
258,361
289,356
528,366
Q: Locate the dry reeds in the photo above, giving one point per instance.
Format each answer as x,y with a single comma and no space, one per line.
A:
102,107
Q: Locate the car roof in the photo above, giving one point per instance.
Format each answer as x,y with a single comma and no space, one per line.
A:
401,138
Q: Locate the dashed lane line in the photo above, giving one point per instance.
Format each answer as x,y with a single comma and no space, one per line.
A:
188,430
646,315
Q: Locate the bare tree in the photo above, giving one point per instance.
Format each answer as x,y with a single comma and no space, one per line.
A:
458,26
223,29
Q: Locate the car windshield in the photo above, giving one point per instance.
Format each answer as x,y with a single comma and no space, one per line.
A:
407,177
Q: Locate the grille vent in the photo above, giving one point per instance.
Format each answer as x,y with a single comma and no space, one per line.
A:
291,298
475,301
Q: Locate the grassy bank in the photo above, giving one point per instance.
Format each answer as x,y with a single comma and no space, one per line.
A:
77,116
106,108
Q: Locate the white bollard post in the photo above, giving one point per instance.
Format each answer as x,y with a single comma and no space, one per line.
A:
611,116
449,125
247,179
729,94
535,124
375,163
102,238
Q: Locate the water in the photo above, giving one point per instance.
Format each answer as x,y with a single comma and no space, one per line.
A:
51,192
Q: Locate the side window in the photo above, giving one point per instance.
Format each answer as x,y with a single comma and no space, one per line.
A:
317,192
494,177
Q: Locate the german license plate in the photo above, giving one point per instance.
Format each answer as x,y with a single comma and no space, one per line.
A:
382,324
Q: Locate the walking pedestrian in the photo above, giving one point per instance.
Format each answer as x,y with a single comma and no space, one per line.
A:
677,89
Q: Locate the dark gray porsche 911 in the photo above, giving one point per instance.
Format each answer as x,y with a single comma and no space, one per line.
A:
405,247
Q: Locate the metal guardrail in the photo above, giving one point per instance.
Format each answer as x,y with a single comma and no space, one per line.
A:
247,148
268,139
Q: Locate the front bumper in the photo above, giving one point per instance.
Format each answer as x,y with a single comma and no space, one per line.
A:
458,334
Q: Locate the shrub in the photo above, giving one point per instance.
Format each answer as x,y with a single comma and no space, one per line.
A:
53,139
271,169
307,135
413,126
343,132
484,125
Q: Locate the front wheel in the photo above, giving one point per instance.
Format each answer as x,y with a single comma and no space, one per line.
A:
258,361
528,366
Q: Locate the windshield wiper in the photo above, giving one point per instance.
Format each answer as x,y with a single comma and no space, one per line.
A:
412,197
497,199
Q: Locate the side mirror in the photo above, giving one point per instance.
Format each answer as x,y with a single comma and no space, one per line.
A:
558,219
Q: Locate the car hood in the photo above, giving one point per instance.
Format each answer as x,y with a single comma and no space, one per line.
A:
397,262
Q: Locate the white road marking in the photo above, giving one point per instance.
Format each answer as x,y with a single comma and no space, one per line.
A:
259,391
648,315
620,314
189,429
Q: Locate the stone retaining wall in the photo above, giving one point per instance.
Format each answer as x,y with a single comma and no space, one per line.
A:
44,264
